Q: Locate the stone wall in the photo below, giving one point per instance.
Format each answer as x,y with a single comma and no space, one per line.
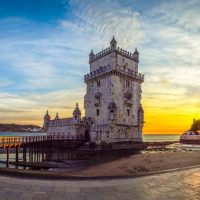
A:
110,133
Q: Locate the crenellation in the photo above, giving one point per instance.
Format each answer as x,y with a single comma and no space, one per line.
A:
118,50
107,69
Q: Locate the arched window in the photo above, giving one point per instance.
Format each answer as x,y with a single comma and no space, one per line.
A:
97,112
98,83
128,112
125,66
127,83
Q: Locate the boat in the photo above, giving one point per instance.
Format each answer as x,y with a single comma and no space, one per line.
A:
190,137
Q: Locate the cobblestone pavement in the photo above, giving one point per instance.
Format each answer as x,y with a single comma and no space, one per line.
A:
178,185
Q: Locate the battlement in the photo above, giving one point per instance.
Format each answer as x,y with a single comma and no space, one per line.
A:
107,69
133,56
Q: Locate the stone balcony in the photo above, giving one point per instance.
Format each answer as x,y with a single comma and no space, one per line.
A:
107,69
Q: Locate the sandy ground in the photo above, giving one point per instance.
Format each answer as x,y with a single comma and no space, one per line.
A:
141,163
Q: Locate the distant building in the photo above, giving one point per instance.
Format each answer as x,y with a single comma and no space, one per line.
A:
113,110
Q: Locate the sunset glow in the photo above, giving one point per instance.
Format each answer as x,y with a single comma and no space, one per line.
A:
45,47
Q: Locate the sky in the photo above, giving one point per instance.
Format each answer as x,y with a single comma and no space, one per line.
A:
44,47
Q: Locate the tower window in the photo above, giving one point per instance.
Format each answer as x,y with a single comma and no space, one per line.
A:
98,83
128,112
111,111
75,116
127,83
97,112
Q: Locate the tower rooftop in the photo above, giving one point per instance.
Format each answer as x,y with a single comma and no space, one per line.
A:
131,55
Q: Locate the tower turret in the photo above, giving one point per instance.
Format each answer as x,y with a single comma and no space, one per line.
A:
136,55
77,114
113,43
47,118
91,56
57,117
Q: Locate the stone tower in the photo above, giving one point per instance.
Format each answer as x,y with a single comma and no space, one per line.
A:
113,96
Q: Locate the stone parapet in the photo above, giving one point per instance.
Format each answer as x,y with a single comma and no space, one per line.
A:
107,70
118,50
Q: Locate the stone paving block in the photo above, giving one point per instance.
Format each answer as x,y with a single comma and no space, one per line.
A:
27,196
79,197
20,188
95,196
60,189
12,195
59,197
70,189
111,197
89,189
34,187
40,197
107,189
47,188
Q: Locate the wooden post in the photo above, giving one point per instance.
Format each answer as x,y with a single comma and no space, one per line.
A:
24,154
42,152
30,154
38,154
7,160
16,156
34,154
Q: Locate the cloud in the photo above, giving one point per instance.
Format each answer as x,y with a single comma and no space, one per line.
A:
42,65
100,20
184,14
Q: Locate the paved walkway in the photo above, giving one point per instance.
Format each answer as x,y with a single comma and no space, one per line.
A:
178,185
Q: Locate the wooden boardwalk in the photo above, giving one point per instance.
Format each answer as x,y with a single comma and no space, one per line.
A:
13,142
36,148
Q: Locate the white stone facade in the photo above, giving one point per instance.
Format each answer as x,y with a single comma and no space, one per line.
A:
71,127
113,96
113,111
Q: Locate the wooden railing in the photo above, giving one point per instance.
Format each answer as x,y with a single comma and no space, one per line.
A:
18,141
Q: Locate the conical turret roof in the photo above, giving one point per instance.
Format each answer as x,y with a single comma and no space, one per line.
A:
91,53
57,117
77,110
136,51
113,40
47,116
